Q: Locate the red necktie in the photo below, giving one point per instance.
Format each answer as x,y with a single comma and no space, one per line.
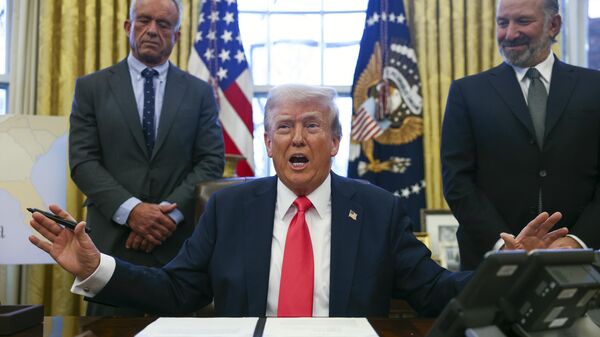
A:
297,271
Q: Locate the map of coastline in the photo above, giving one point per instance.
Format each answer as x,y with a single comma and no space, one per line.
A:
33,173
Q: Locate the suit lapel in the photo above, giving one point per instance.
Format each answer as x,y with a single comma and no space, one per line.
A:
346,222
503,79
561,88
174,92
120,84
258,214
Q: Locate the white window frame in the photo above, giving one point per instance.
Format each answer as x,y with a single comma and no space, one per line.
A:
5,78
575,31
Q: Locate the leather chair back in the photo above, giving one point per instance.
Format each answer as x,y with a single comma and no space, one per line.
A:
206,188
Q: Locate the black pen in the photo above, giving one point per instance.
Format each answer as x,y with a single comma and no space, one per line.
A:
66,223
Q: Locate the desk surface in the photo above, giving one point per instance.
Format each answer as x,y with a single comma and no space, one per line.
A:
71,326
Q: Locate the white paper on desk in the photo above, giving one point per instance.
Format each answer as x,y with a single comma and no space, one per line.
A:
199,327
318,327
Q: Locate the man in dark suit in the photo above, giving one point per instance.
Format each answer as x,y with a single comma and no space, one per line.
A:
522,138
143,134
303,243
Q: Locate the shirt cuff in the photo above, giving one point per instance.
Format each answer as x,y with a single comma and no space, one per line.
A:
92,285
122,213
498,245
581,243
175,214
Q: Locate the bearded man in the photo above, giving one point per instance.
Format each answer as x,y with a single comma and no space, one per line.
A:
523,138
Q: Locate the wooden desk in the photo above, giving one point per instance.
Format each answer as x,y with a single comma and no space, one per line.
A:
72,326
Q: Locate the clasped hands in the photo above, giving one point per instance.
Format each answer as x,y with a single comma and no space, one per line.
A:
150,225
537,235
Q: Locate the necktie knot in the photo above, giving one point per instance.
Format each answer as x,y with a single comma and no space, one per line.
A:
533,74
303,204
149,73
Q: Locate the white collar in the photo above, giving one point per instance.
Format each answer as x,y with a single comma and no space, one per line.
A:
138,67
320,197
544,67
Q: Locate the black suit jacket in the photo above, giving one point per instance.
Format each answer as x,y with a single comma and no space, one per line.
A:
109,162
373,258
493,168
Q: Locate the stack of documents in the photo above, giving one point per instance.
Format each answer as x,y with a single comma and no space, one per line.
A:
253,327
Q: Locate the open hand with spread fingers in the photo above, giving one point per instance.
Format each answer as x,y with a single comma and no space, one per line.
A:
72,250
536,235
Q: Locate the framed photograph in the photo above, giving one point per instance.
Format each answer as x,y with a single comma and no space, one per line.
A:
441,226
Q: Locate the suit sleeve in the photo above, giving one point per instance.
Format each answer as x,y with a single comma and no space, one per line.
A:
208,154
477,216
85,153
422,282
179,288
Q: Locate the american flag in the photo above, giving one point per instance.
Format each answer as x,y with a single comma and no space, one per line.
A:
364,126
218,58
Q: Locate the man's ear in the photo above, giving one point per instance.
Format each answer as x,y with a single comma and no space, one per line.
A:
268,142
555,24
336,146
127,27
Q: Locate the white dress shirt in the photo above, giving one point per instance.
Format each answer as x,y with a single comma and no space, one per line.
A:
318,219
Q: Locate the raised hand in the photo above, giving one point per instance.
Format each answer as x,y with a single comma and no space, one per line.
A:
535,235
72,250
151,222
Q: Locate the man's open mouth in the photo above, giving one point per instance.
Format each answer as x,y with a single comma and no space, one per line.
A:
298,160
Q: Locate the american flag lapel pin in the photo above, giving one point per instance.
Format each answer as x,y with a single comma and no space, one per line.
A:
352,215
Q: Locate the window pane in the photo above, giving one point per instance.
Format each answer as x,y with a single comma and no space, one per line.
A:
343,27
594,34
252,5
3,35
253,31
340,163
343,5
295,5
295,63
295,50
3,102
339,63
261,159
594,9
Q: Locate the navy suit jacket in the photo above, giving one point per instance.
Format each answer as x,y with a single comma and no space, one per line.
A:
374,258
493,168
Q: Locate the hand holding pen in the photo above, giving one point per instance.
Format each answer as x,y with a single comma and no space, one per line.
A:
64,222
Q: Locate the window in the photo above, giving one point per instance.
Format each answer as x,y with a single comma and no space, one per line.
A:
4,54
593,45
581,32
311,42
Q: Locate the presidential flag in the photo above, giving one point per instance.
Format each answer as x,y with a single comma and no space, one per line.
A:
387,122
218,58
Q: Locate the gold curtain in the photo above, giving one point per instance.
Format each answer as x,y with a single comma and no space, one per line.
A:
78,37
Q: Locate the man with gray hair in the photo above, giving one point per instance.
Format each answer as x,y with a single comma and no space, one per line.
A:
143,135
523,138
305,242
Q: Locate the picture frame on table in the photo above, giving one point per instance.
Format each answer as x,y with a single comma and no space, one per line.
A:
441,226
